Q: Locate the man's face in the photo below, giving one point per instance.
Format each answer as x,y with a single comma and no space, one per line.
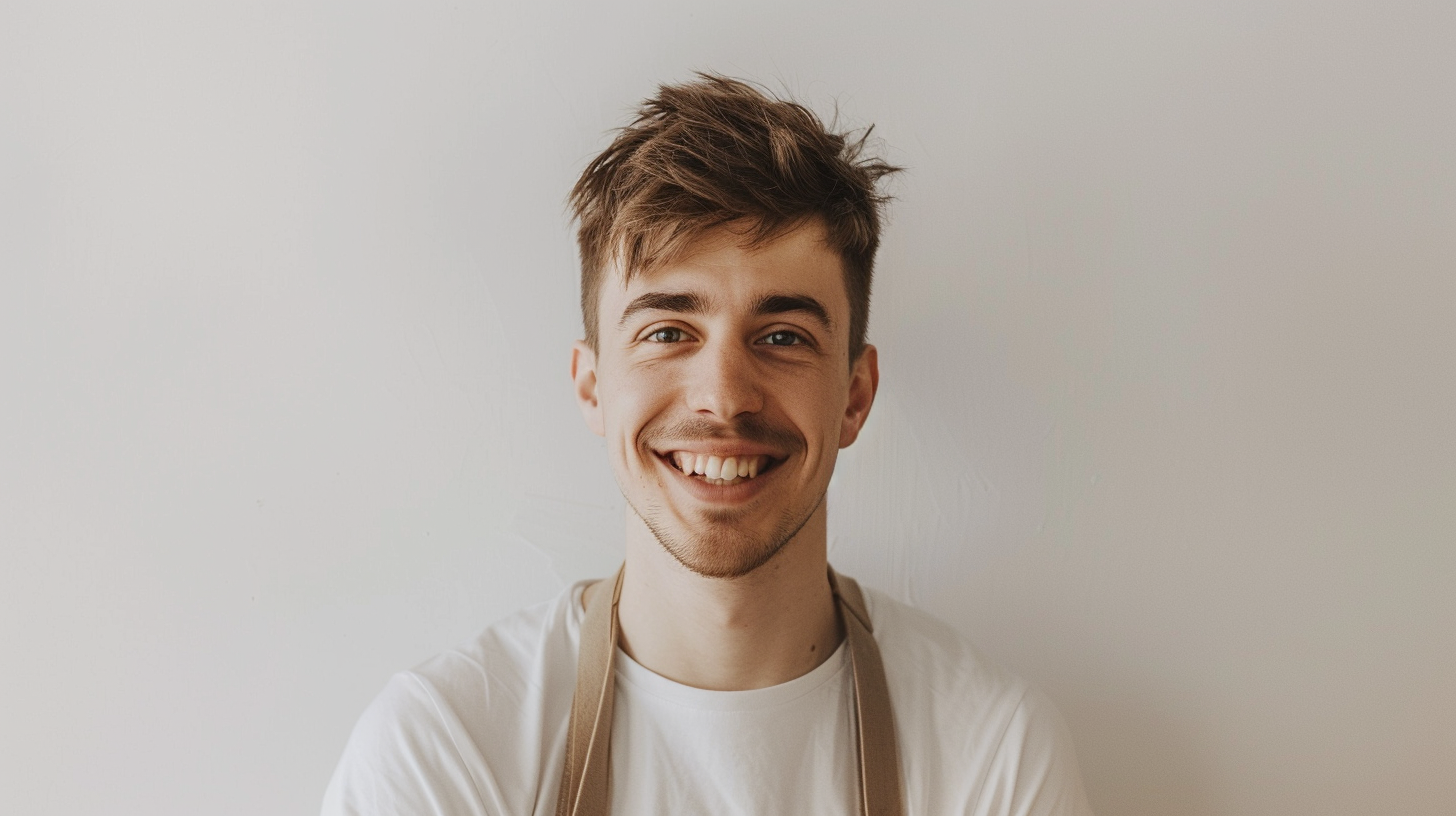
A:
723,387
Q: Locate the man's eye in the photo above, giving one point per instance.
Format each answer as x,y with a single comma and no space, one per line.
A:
667,335
784,338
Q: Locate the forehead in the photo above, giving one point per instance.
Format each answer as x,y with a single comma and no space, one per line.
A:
728,274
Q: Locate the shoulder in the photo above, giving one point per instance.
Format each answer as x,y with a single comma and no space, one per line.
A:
468,727
512,660
925,653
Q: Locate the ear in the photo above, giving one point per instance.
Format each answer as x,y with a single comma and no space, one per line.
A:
864,381
584,377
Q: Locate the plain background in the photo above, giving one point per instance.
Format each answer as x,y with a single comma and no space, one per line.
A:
1166,311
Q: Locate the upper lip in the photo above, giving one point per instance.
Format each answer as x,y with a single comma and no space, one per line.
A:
720,449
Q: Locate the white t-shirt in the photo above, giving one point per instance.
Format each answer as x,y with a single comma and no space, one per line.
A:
482,730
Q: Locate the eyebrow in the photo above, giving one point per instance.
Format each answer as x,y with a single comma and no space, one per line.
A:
690,303
783,304
681,302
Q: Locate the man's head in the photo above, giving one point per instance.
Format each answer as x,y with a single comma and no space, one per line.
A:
717,151
727,243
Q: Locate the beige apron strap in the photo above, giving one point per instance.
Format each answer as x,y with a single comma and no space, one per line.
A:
879,753
586,780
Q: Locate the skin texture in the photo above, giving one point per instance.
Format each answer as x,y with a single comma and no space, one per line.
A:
727,351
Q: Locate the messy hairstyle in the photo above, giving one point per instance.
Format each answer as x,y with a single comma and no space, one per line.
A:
714,151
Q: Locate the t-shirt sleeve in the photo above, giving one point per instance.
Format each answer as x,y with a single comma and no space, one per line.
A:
1034,771
401,760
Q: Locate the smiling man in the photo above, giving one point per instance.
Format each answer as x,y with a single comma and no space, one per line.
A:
727,241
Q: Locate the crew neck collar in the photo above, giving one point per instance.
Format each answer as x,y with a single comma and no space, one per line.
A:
634,674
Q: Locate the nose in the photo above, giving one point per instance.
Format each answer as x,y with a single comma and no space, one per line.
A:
723,380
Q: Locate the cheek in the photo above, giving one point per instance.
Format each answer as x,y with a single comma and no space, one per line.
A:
818,405
631,402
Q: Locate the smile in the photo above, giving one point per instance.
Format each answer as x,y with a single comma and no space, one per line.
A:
719,471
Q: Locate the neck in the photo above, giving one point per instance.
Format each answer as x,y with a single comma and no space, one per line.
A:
730,634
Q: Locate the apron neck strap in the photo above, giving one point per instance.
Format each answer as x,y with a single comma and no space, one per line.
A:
586,779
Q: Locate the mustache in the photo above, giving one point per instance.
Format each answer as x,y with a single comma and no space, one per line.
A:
746,427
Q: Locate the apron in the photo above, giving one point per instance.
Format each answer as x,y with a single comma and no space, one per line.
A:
586,780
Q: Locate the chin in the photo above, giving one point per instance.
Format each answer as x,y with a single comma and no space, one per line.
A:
720,548
726,555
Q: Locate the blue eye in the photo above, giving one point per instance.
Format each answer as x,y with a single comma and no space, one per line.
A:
667,335
783,338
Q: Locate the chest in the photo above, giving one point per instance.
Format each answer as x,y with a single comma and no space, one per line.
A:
753,756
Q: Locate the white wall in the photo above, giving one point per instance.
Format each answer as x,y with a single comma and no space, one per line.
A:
1167,318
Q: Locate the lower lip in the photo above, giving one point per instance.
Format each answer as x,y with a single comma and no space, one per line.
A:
720,494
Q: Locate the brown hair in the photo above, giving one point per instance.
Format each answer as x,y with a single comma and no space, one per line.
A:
714,151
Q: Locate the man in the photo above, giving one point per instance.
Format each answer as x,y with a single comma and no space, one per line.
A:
727,241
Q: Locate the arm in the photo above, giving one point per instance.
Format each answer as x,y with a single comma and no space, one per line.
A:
401,760
1034,771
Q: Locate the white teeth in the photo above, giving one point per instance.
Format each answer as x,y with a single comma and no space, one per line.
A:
719,469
